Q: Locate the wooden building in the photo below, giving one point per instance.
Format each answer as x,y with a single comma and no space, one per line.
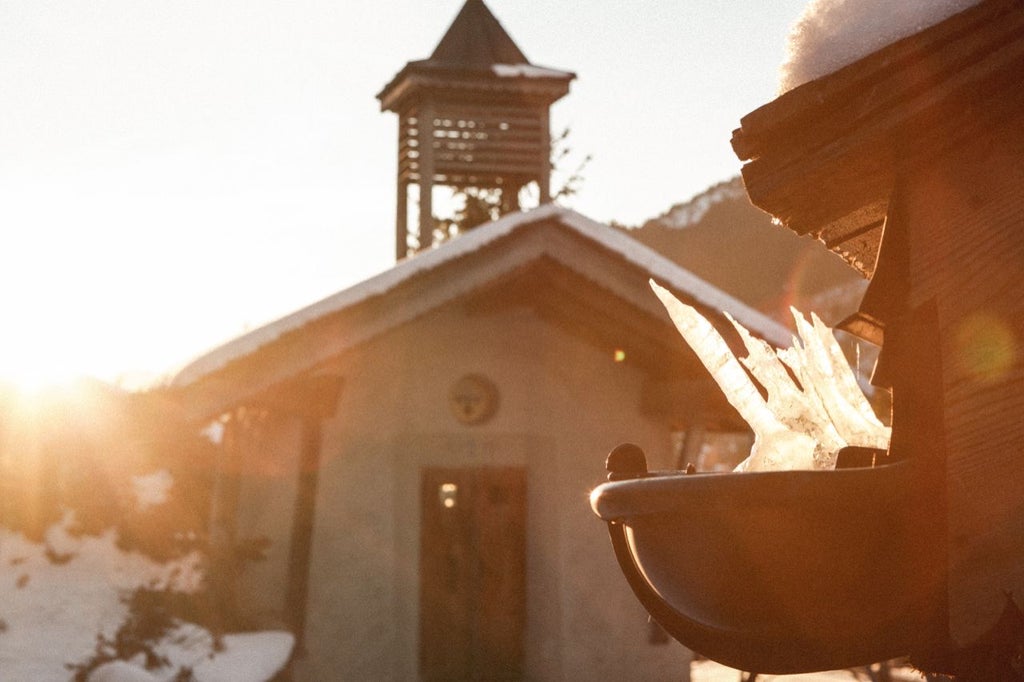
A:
418,450
910,164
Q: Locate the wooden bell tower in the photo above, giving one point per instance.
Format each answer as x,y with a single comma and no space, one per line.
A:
475,114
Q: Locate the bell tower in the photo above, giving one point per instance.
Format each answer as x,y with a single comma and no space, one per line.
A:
475,114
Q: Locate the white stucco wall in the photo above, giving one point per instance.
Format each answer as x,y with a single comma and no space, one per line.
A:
563,405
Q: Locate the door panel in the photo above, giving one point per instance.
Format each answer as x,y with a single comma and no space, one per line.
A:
472,573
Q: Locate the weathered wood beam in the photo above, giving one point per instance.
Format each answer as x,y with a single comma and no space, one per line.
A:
300,549
823,158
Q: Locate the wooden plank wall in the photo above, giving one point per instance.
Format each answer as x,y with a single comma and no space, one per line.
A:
966,236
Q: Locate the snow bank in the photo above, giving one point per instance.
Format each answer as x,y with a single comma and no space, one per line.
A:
58,595
55,597
833,33
250,657
121,671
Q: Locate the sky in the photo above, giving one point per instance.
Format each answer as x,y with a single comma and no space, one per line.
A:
174,173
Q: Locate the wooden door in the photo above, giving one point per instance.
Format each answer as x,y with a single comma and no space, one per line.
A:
472,573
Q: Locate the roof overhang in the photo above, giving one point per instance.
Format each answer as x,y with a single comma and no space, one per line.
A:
824,158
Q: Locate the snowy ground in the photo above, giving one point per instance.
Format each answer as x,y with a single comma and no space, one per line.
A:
709,671
58,595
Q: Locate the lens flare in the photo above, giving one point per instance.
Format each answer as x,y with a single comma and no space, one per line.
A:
986,347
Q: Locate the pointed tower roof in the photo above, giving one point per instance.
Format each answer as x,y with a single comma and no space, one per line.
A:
474,114
476,39
478,58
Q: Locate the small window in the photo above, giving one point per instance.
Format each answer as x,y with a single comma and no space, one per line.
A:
447,494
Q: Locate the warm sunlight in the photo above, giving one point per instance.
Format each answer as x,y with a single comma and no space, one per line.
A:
39,350
34,374
54,357
110,287
321,322
67,316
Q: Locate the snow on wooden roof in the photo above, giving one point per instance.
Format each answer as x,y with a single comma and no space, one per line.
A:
823,158
655,265
830,34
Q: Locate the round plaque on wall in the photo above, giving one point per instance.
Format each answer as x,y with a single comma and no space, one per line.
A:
473,399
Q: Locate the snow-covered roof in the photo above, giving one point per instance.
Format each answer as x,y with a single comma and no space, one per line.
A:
657,266
831,34
851,130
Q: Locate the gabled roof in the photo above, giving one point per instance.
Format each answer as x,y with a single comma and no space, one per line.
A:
580,256
823,158
476,39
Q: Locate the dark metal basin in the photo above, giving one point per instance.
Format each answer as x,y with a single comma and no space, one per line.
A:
773,572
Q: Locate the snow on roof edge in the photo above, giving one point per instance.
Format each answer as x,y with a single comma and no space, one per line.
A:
830,35
528,71
669,273
660,268
376,285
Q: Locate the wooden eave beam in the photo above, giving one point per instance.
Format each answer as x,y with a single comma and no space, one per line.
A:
312,395
823,158
816,113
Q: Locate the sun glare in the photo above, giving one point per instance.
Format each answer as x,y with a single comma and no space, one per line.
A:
53,358
89,317
35,372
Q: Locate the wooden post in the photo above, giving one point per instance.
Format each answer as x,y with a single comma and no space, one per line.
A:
402,216
223,521
425,128
302,531
510,198
544,163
